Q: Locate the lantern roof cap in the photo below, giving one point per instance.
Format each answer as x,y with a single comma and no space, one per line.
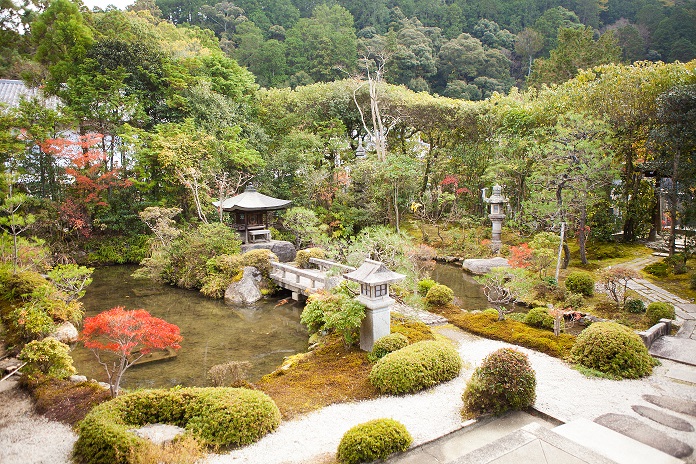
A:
373,272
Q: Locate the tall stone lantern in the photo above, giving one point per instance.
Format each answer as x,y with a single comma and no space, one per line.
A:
374,279
497,207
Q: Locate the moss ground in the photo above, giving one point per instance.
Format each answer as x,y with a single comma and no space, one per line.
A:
65,401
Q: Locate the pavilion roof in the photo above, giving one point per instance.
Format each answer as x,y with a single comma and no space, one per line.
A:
251,200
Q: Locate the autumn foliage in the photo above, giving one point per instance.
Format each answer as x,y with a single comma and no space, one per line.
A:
129,335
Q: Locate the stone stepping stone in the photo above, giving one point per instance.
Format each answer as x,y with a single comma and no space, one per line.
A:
660,417
674,404
634,428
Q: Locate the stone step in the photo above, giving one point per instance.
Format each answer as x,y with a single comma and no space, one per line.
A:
682,350
612,445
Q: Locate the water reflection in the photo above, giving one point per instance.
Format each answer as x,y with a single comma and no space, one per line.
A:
466,290
213,332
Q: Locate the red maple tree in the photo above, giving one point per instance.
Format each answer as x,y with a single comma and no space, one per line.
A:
129,335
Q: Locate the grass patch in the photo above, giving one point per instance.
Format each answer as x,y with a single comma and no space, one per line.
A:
588,372
675,283
510,331
330,374
65,401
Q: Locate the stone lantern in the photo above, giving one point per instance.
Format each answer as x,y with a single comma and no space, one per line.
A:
374,279
497,214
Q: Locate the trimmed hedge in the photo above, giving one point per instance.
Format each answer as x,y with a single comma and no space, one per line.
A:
659,310
214,416
303,256
47,357
539,317
416,367
635,306
387,344
373,440
439,295
505,381
613,349
580,282
425,285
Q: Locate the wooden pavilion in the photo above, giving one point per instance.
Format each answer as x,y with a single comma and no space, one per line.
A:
252,213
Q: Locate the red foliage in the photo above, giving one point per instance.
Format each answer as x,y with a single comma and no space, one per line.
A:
122,332
520,256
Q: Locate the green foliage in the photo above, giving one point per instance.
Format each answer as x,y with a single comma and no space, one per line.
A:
386,345
692,281
22,284
214,416
539,317
574,300
635,306
30,322
414,331
337,311
222,270
416,367
373,440
660,269
424,285
580,282
504,381
303,224
47,357
260,259
126,250
613,349
71,280
659,310
439,295
303,256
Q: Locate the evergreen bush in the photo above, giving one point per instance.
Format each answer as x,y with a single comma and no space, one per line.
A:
580,282
613,349
260,259
504,381
416,367
387,344
47,357
635,306
303,256
424,285
660,269
439,295
214,416
539,317
659,310
373,440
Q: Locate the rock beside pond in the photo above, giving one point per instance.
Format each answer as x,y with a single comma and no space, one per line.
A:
158,434
66,333
483,266
285,251
246,290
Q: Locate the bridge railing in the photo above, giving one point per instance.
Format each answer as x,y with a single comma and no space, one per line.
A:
287,272
325,265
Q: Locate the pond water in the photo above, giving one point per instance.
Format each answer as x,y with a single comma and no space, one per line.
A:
467,291
213,333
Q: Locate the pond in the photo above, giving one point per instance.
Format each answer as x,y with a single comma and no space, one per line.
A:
213,333
467,291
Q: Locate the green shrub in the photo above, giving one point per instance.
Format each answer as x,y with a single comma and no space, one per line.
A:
416,367
574,300
635,306
425,285
47,357
260,259
373,440
490,312
613,349
22,284
414,331
660,269
386,345
539,317
30,322
504,381
659,310
580,282
335,310
215,416
519,317
692,281
439,295
303,256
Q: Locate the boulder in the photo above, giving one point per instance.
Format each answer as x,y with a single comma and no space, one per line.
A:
158,434
77,378
66,333
246,290
285,251
483,266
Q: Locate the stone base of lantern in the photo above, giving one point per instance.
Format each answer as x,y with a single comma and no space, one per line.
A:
377,321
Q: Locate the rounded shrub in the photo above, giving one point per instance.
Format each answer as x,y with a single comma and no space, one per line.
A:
613,349
387,344
425,285
439,295
260,259
635,306
48,357
303,256
214,416
373,440
660,269
659,310
539,317
416,367
580,282
504,381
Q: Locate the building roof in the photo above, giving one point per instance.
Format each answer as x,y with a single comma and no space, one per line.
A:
251,200
11,92
374,273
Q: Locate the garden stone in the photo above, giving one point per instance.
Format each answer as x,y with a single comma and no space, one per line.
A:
285,251
636,429
677,423
66,333
675,404
158,434
246,290
77,378
484,266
